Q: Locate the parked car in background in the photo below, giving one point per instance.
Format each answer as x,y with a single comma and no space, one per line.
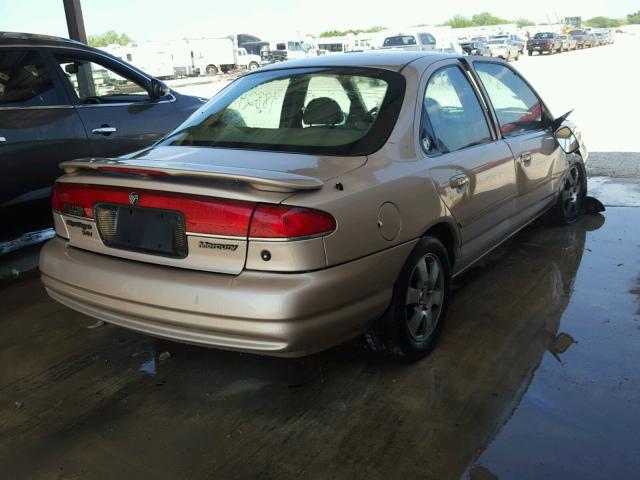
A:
476,48
343,205
60,100
544,42
602,38
568,43
594,41
411,41
503,48
515,40
582,38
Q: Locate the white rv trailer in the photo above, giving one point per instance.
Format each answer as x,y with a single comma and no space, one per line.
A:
153,58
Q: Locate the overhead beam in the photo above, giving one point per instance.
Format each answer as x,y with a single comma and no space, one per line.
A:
75,22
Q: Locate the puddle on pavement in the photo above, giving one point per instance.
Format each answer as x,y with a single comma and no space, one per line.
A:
615,192
577,414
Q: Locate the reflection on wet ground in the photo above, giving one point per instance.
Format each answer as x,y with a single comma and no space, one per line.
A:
536,376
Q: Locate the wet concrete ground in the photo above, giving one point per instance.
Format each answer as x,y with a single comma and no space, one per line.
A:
536,376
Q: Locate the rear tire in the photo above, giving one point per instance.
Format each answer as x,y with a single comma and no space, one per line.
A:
211,70
411,325
530,52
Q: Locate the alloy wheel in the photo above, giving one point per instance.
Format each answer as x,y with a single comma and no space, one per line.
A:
425,297
572,193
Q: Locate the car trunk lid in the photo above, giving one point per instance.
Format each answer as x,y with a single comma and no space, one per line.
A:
178,209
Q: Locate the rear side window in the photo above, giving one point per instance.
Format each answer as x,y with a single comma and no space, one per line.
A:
453,112
518,109
25,80
399,41
332,111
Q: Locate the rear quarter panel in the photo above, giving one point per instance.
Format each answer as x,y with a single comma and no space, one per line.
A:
388,201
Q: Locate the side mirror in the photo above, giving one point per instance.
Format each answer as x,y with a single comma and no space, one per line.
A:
158,89
72,68
567,140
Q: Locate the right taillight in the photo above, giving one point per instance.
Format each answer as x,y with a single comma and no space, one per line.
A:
289,222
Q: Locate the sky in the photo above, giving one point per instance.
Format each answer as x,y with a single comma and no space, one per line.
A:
274,19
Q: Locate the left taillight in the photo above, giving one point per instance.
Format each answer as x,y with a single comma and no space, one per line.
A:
71,200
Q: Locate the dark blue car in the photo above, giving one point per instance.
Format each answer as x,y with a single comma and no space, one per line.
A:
60,100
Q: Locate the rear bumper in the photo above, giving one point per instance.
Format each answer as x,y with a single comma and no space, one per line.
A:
270,313
540,48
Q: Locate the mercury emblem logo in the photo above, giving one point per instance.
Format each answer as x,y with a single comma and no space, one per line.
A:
133,198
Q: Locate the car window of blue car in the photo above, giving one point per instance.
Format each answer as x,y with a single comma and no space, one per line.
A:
453,111
25,80
96,83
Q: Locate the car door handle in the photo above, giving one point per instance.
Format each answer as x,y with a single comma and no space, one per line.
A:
3,139
525,157
458,181
104,130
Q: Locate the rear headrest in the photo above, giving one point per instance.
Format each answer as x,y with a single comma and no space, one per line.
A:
322,111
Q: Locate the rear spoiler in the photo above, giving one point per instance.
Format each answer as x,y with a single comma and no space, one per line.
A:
269,180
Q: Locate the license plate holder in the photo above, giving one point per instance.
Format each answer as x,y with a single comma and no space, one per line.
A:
147,230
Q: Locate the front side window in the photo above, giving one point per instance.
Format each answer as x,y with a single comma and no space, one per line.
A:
333,111
453,112
518,109
25,81
94,83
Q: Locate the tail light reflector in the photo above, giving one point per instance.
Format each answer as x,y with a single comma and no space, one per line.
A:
207,215
283,221
202,214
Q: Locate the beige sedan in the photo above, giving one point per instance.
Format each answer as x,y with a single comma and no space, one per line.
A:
313,201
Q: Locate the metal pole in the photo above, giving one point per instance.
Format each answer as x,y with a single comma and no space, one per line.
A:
75,22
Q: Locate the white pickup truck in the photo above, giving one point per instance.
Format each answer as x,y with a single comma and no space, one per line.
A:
410,41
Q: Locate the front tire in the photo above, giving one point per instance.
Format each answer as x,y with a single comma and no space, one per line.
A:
570,203
411,325
254,66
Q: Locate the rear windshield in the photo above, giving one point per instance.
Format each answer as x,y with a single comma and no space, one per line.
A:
497,41
330,111
399,41
543,35
577,32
